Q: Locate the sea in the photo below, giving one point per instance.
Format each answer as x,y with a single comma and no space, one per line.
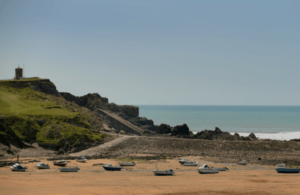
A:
267,122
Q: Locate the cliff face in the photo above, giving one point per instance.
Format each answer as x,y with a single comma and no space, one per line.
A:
95,102
41,85
131,111
90,101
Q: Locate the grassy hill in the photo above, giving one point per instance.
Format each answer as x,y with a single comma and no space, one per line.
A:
30,115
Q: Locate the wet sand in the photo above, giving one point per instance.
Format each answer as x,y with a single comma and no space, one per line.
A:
250,179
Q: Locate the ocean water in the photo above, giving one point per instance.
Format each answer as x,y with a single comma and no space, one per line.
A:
268,122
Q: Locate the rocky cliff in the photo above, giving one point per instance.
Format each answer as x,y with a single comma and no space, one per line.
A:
129,113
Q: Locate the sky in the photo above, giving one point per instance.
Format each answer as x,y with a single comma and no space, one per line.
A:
158,52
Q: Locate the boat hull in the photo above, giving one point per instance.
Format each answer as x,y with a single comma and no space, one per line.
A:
19,170
82,161
190,164
60,164
287,170
126,164
112,168
44,167
203,171
163,173
68,170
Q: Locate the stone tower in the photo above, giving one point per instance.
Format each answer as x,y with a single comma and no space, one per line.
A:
19,73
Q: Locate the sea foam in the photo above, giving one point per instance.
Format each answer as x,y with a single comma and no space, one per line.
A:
275,136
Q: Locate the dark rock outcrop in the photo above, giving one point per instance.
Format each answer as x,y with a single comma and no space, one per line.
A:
181,130
142,122
217,134
252,136
164,129
130,111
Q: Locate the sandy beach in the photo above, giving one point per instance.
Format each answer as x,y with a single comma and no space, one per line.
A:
249,179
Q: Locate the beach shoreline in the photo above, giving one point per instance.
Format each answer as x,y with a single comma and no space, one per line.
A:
249,179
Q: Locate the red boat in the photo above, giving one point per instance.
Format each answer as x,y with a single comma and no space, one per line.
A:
60,163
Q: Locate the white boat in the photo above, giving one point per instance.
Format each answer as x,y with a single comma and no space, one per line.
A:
169,172
182,160
18,167
41,165
69,169
190,163
126,163
243,162
81,159
204,169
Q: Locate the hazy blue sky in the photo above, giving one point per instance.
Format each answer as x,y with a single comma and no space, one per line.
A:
164,52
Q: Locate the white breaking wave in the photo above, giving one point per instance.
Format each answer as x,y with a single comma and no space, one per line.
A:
274,136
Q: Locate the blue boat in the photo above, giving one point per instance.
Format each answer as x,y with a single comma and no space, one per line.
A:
18,167
109,167
282,169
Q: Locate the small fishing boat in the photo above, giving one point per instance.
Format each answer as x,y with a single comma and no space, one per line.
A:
190,163
81,159
41,165
282,169
109,167
182,160
60,163
243,162
163,172
208,171
126,163
204,169
69,169
18,167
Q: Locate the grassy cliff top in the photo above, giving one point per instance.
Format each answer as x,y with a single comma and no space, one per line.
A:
30,115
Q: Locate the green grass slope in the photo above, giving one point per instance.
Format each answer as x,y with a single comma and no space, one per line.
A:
29,115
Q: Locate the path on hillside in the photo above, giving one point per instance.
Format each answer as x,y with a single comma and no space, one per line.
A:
122,124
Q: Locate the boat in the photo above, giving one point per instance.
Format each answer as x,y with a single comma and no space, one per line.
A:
60,163
243,162
41,165
169,172
69,169
126,163
190,163
282,169
109,167
81,159
204,169
204,166
223,169
182,160
18,167
208,171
